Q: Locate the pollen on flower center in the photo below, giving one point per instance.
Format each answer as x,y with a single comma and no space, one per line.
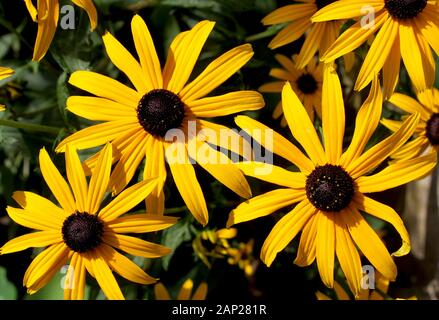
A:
323,3
405,9
432,130
307,84
159,111
82,231
329,188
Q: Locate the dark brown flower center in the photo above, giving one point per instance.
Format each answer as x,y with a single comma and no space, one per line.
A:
307,84
432,129
405,9
323,3
329,188
159,111
82,231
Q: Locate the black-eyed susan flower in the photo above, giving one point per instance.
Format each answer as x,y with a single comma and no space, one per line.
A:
185,293
319,36
46,14
427,132
242,256
82,232
5,73
136,121
210,244
330,188
406,28
306,83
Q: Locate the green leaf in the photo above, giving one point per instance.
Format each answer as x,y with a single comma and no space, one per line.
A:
62,93
7,289
174,237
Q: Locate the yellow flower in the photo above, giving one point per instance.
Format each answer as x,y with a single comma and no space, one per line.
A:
46,14
407,29
5,73
379,292
213,244
427,131
319,36
331,184
83,233
306,83
136,121
243,257
185,292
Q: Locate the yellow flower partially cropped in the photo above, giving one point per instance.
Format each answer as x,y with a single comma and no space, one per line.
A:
161,293
243,257
82,232
46,14
379,292
138,120
306,83
330,188
5,73
213,244
405,28
319,36
427,132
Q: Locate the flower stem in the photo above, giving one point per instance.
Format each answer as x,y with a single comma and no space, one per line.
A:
29,126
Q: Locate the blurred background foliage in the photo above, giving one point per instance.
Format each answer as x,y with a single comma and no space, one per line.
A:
36,96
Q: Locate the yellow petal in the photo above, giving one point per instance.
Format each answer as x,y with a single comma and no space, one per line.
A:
264,205
32,240
56,182
289,65
155,167
369,243
105,87
74,285
160,292
306,252
428,24
45,266
386,213
325,247
89,7
183,55
189,188
391,69
124,61
226,104
201,292
347,255
366,122
76,177
301,126
311,44
141,223
289,13
99,109
39,207
227,233
127,199
135,246
46,27
277,144
97,135
147,53
352,38
186,290
333,114
273,174
272,87
378,53
5,73
35,220
217,72
130,159
397,174
379,152
412,149
124,266
340,292
285,230
290,33
99,180
32,10
346,9
409,105
105,278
